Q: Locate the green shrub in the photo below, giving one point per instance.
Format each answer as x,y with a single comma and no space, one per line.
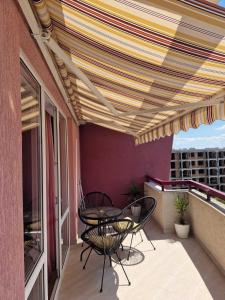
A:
134,192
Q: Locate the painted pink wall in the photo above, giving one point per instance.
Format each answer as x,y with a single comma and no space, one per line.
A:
11,208
110,161
32,52
15,36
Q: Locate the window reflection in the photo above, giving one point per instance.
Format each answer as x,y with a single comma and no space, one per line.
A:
32,191
65,238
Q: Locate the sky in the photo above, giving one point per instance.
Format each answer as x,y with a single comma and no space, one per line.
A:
222,3
206,136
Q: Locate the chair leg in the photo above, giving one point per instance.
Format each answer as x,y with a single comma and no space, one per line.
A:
103,271
81,255
82,245
122,246
123,268
141,235
152,244
110,260
130,246
87,259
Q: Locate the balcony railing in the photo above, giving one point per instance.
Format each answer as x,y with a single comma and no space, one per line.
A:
189,184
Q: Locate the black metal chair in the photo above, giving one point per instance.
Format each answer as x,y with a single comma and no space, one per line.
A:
91,200
147,206
88,223
104,240
96,199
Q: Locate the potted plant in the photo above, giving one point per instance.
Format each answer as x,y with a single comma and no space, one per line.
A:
135,193
182,228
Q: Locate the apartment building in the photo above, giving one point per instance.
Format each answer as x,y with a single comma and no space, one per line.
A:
205,166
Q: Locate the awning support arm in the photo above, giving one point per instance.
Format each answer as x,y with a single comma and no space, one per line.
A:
51,43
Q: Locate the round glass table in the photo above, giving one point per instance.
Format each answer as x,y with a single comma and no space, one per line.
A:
102,213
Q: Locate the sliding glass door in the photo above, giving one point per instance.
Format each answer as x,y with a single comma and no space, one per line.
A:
64,228
32,171
45,188
33,196
52,195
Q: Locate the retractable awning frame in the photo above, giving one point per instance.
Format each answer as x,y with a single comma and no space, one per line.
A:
97,95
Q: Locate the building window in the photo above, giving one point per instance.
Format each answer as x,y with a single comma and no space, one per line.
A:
31,164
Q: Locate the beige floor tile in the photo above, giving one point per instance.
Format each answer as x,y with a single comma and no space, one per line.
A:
177,269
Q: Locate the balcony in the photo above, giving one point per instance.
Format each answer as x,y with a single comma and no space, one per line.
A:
192,268
93,92
161,274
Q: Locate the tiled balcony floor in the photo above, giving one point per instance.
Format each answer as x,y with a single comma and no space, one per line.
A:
177,269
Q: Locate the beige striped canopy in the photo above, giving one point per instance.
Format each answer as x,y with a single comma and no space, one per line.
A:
150,60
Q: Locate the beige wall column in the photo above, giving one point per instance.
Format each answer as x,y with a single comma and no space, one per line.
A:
165,213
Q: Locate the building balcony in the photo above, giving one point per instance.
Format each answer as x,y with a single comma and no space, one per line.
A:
190,268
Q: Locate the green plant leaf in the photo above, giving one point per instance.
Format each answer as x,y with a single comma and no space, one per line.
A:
181,206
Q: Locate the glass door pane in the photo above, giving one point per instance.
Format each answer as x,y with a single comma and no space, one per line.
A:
31,163
52,191
37,292
63,163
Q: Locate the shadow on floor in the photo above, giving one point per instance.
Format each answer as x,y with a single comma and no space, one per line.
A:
177,269
136,256
210,274
85,284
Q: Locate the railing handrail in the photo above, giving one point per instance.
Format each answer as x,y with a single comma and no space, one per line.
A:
209,191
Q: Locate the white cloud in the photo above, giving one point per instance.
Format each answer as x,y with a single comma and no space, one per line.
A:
220,128
199,142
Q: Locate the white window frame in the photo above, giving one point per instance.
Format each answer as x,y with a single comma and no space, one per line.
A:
67,158
66,213
42,262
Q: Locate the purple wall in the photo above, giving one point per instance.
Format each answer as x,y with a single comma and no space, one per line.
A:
110,161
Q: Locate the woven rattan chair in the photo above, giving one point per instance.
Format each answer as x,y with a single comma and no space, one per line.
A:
147,207
104,240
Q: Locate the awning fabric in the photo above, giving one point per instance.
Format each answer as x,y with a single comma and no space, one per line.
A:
141,55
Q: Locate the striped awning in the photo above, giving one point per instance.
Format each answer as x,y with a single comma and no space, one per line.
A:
159,65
